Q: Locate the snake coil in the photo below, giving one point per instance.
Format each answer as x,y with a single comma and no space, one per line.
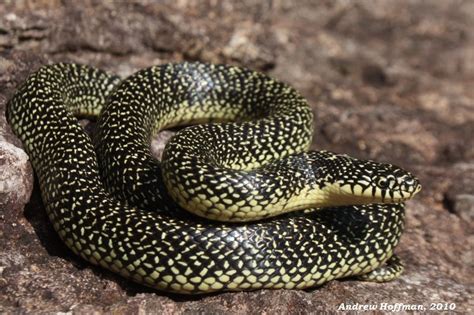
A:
116,206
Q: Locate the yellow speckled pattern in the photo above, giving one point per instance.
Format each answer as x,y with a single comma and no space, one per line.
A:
123,219
253,168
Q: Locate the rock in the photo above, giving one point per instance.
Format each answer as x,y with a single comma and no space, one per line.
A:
16,174
459,198
464,207
384,82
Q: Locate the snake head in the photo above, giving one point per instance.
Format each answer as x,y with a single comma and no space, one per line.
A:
357,181
380,182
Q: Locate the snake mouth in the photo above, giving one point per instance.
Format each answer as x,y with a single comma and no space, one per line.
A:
367,194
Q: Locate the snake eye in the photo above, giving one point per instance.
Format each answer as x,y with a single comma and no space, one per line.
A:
383,183
388,182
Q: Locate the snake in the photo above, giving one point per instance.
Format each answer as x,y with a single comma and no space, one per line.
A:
237,201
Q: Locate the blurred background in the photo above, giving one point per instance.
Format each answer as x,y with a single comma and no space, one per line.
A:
387,80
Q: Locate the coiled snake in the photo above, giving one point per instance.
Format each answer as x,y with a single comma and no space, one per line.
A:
117,210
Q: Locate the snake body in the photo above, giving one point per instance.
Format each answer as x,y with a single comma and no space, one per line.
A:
118,212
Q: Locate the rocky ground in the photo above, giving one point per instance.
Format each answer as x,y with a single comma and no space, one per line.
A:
388,80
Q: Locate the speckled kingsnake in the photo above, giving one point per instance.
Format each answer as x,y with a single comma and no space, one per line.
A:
227,171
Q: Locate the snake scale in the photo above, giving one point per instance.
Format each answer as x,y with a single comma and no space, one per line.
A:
116,206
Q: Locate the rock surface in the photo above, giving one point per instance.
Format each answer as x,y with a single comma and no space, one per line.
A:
390,81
